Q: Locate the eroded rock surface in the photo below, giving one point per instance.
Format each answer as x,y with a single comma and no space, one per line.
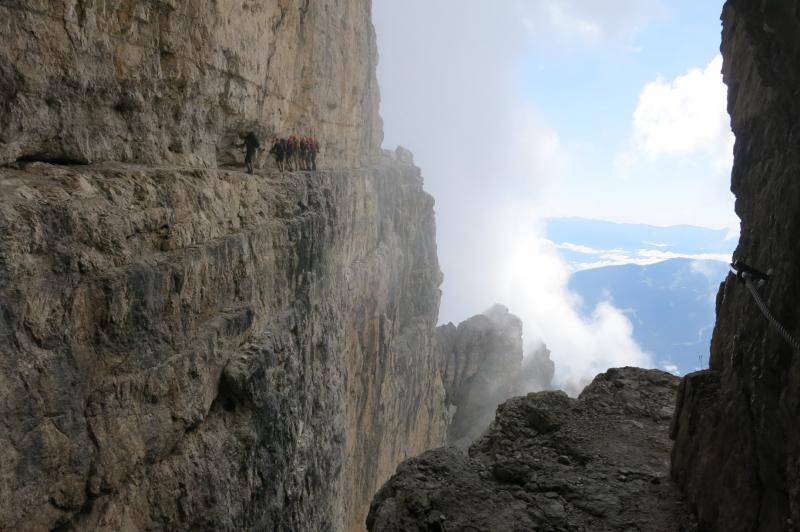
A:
737,435
483,366
175,81
191,349
551,463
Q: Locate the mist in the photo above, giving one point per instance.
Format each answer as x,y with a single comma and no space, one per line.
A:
452,76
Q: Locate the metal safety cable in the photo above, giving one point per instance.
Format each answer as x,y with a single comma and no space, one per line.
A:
747,274
791,340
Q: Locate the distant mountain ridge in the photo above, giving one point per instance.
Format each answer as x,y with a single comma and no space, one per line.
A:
587,244
670,305
664,279
601,234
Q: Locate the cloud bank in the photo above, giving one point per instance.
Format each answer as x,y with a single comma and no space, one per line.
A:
451,80
529,275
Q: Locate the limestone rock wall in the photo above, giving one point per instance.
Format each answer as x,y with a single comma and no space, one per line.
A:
175,81
193,349
482,366
737,436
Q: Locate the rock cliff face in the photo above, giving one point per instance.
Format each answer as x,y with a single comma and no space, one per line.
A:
737,448
188,348
201,349
175,81
482,367
550,463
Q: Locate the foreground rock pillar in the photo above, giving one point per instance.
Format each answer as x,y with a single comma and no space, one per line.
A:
737,428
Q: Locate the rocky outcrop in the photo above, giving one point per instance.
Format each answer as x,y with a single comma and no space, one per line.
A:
192,349
537,371
482,367
737,437
174,82
550,463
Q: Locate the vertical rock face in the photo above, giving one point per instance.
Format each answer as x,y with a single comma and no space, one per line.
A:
196,349
175,81
737,436
206,350
482,367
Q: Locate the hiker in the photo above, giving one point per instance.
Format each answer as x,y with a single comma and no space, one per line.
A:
250,146
278,151
289,154
295,141
313,149
285,146
304,153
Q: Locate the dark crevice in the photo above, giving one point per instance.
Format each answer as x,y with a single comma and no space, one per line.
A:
229,396
55,160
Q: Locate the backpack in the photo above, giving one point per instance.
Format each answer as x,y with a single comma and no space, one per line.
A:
251,141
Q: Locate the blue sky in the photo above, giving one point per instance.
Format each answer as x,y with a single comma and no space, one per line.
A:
586,89
587,93
521,110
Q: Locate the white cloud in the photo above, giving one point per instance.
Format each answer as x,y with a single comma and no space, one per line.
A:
528,274
671,368
587,22
685,116
577,248
679,153
660,256
536,148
